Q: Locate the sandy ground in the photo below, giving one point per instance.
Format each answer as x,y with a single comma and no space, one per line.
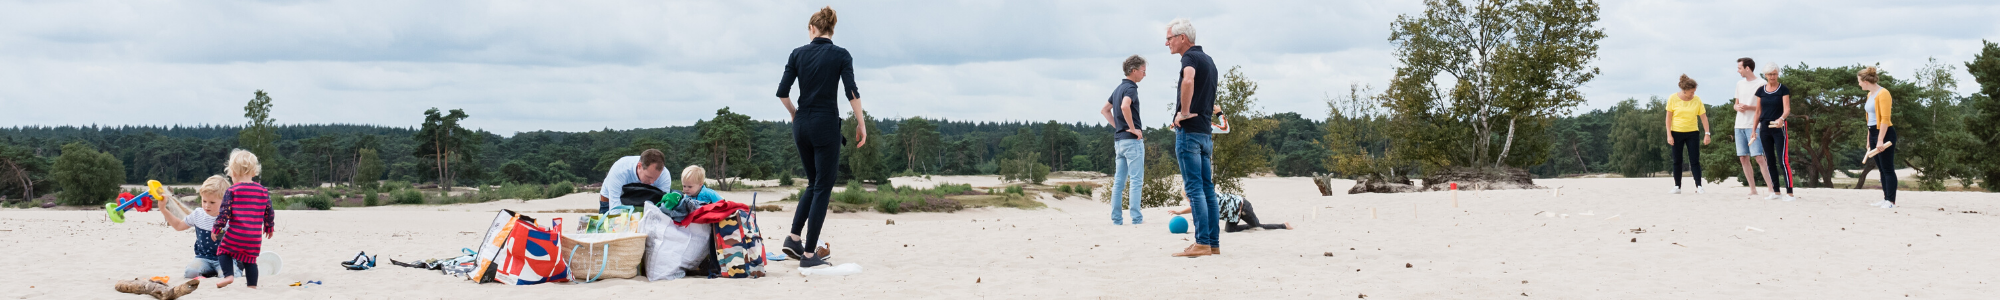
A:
1386,246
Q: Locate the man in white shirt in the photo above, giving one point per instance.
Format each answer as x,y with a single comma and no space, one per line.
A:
644,168
1747,148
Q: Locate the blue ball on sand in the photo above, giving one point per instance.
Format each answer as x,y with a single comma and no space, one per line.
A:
1178,225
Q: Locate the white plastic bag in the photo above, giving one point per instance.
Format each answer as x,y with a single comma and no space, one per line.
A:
662,261
672,250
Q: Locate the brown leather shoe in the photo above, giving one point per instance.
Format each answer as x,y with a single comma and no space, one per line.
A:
1198,250
1216,250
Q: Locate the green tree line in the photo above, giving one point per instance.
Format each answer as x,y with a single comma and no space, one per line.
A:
1488,86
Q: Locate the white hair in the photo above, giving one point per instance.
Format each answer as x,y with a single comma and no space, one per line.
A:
1768,69
1181,26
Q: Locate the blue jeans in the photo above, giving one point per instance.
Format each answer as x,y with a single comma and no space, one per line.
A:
1131,174
1195,152
204,268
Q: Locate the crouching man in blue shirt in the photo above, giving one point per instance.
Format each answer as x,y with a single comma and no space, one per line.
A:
630,169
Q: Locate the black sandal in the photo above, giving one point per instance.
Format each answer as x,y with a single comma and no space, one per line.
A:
360,262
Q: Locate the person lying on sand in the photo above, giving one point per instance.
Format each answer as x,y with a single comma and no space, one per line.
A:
1236,214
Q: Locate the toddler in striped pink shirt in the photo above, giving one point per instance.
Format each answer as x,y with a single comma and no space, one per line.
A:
245,221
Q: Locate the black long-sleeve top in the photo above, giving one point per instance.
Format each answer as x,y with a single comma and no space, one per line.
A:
819,67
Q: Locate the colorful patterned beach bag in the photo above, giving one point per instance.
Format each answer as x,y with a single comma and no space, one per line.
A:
739,246
516,251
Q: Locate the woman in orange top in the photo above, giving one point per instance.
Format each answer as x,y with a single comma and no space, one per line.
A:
1881,133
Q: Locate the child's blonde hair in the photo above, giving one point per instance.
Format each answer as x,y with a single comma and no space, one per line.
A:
242,162
693,173
214,187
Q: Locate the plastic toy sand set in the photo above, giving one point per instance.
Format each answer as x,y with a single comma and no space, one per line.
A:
144,202
269,263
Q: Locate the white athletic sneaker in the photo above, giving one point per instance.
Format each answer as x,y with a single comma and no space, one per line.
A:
1771,197
1789,198
1879,203
1697,190
1675,190
1887,204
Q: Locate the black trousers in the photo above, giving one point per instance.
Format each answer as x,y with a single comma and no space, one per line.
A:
1248,216
1689,142
819,141
230,264
1885,161
1777,161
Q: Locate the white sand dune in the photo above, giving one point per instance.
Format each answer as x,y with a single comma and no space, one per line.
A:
1495,245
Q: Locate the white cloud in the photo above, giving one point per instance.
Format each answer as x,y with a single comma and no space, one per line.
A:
530,65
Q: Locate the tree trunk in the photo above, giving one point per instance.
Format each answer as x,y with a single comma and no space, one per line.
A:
445,182
1580,163
723,175
1506,145
1822,163
438,147
27,185
1862,179
1483,126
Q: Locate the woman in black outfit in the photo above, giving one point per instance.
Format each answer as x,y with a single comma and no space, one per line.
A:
1776,100
820,68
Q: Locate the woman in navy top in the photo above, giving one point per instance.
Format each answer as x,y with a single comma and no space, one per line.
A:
1776,99
820,68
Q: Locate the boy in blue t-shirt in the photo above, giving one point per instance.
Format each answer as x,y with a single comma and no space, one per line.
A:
692,186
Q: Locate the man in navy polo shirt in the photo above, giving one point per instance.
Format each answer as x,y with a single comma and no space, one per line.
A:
1193,147
1128,134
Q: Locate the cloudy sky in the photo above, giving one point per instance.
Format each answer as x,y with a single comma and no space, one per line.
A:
584,65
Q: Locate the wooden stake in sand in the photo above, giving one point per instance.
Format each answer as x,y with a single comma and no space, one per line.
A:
1454,194
1371,213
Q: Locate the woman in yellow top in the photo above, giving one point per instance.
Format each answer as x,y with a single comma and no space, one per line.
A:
1683,111
1881,133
